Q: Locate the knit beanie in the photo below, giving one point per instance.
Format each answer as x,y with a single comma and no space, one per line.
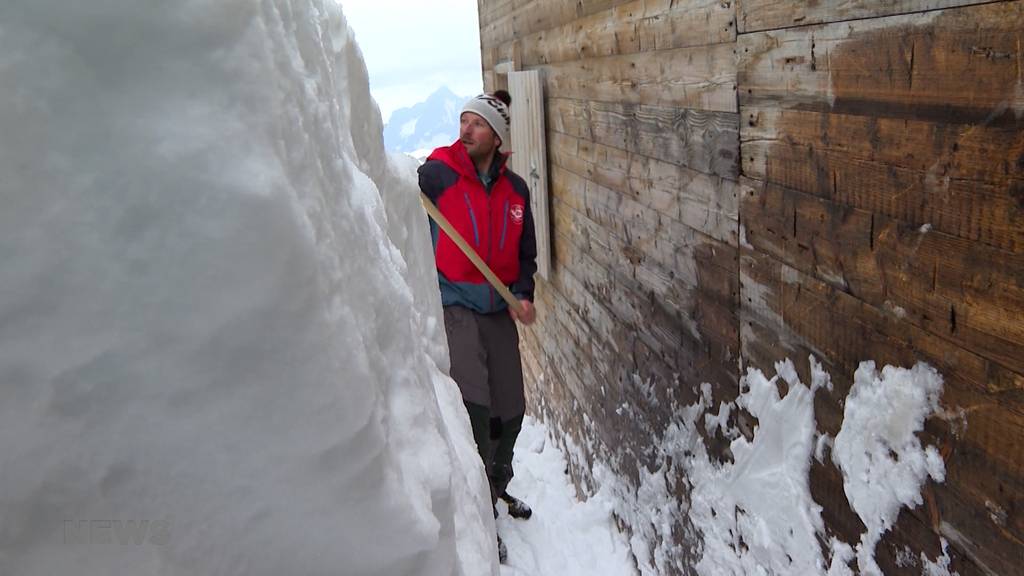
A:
494,109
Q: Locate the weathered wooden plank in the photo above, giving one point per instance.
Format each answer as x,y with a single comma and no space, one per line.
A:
964,180
985,153
528,16
578,383
599,398
491,10
640,293
637,26
640,235
983,212
953,288
692,277
701,78
700,201
755,15
529,156
952,66
878,127
634,222
656,353
804,315
613,360
704,141
783,315
661,249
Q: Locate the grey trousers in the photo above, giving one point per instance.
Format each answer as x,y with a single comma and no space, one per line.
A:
487,367
485,360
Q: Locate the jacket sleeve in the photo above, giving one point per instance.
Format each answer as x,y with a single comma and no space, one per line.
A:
523,287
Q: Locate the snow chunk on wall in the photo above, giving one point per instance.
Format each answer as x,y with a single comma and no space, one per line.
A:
881,458
756,515
212,322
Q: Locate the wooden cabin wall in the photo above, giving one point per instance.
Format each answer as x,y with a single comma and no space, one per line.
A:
735,182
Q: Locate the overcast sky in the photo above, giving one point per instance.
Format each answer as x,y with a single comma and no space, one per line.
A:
413,47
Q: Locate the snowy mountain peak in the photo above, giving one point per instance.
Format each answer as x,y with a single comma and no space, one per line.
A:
425,126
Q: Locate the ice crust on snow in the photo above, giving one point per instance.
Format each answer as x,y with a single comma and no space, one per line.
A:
218,310
755,514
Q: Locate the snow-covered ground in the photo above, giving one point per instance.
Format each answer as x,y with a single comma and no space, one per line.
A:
564,537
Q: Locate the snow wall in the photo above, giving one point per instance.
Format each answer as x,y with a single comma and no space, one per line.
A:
220,346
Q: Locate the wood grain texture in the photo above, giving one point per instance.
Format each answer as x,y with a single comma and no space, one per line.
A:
702,78
915,117
958,290
520,18
705,203
704,141
755,15
954,66
963,180
637,26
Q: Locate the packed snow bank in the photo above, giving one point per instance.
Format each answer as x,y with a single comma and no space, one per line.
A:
755,514
221,350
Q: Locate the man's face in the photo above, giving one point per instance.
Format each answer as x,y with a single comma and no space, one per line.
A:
477,136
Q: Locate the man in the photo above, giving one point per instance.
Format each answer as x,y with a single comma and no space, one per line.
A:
489,206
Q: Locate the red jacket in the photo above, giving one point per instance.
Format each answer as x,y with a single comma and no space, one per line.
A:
496,221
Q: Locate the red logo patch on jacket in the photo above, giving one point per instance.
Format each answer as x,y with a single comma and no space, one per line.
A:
517,213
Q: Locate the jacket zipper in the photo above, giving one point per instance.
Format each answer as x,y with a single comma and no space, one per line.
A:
504,227
472,218
490,240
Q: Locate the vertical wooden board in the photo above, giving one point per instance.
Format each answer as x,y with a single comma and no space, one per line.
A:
755,15
530,157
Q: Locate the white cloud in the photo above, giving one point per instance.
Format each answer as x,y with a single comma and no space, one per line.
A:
414,47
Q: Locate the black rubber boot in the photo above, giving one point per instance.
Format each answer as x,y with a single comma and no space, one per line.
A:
516,507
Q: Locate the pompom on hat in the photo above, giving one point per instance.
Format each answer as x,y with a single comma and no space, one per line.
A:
494,109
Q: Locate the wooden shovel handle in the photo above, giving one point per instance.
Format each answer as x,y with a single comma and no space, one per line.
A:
482,266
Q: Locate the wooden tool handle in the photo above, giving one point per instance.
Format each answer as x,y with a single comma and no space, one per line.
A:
482,266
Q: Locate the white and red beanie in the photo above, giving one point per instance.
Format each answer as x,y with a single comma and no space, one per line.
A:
494,109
